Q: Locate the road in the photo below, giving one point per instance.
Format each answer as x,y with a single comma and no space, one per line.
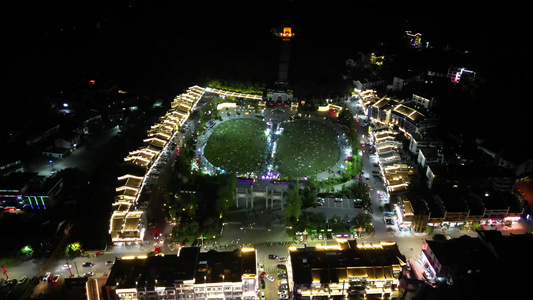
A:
83,157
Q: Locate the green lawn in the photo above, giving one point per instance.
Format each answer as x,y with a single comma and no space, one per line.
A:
305,147
237,145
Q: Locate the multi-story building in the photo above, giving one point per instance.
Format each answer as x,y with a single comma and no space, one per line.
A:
500,207
455,74
191,274
424,101
24,191
456,211
487,177
475,268
347,269
430,155
462,207
366,83
404,214
456,260
393,112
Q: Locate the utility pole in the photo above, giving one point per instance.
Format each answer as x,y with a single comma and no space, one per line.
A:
69,270
76,266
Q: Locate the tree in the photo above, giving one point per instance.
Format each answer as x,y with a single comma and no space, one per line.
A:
364,221
73,248
309,195
27,250
294,203
439,237
476,226
227,183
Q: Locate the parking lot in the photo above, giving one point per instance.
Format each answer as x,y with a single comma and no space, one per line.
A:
271,260
332,207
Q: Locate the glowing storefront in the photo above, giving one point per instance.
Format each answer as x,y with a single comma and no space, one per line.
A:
189,275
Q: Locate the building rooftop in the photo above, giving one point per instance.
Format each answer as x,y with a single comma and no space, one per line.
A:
465,252
214,266
475,205
319,264
464,171
507,247
491,199
190,265
419,206
145,272
18,180
453,199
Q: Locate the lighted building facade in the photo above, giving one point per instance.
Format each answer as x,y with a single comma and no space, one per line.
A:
127,224
189,275
25,191
346,269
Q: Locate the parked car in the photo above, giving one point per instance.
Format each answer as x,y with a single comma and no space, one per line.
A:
87,264
109,262
270,278
282,259
282,266
88,274
23,279
47,276
55,278
66,266
272,256
12,282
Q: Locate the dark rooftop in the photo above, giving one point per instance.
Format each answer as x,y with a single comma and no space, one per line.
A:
224,266
334,265
465,251
165,269
492,199
191,264
453,199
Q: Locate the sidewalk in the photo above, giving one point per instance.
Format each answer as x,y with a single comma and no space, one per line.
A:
515,228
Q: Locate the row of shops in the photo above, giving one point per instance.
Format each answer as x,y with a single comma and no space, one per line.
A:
128,224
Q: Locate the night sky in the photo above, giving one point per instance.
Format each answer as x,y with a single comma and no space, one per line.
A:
168,45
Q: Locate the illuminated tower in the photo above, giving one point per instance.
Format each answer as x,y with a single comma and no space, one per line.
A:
283,72
282,94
